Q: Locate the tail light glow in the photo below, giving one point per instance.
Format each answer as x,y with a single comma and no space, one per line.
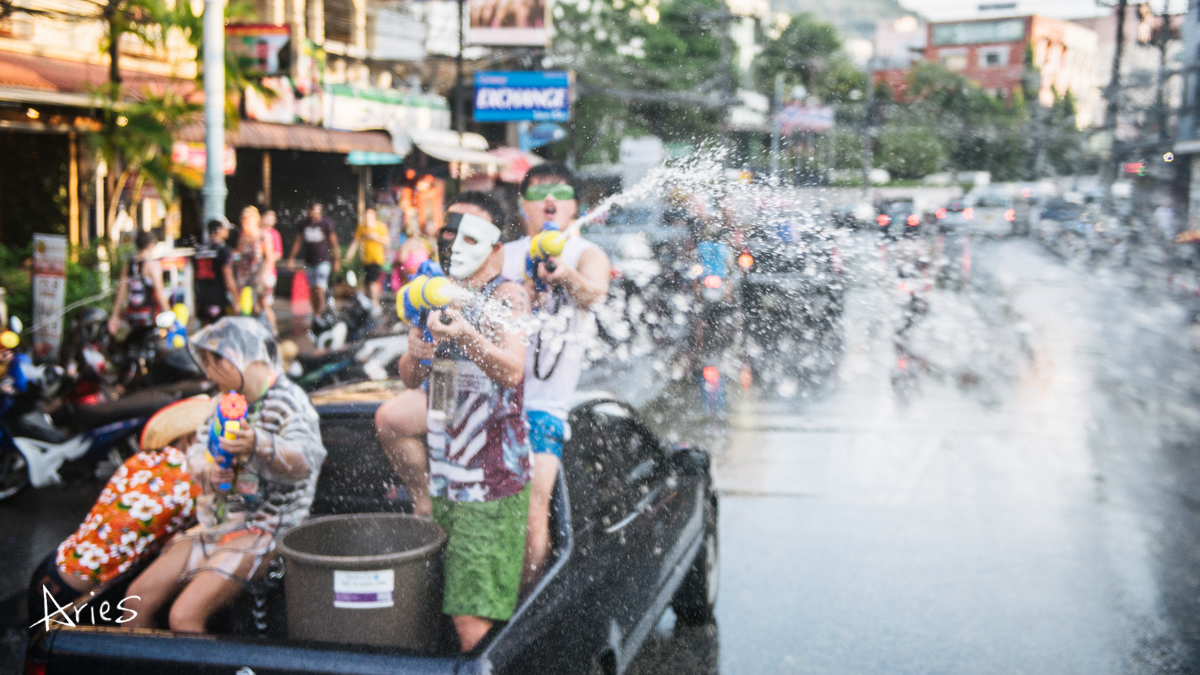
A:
883,220
712,375
968,213
940,213
1010,215
746,260
712,281
913,220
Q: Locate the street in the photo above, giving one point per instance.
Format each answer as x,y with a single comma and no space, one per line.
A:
1021,500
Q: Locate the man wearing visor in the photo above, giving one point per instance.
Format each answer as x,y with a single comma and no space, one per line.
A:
478,452
572,282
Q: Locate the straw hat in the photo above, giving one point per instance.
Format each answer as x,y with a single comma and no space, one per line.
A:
178,419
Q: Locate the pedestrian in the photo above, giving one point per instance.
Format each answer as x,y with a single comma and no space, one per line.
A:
564,322
479,471
244,509
140,292
147,500
215,287
400,423
271,275
1164,221
252,261
373,236
321,253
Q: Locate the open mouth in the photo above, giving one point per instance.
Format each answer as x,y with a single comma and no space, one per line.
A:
550,211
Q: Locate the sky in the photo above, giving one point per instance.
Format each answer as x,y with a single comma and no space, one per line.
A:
945,10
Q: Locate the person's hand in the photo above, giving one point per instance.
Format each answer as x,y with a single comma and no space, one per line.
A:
241,445
441,330
421,350
347,260
113,324
337,264
217,475
559,276
291,264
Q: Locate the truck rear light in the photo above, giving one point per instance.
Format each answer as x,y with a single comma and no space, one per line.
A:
913,220
883,220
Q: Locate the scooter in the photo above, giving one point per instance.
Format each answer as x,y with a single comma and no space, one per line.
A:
157,356
92,440
374,359
332,330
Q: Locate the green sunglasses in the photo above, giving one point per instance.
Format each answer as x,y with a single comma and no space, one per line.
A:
560,191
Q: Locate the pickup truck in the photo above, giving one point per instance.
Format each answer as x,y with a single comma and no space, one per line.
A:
633,531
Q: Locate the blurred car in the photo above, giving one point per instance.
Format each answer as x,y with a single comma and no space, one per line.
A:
1055,214
899,217
993,214
954,216
792,285
853,214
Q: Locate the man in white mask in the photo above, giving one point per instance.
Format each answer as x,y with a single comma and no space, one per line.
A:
574,281
479,466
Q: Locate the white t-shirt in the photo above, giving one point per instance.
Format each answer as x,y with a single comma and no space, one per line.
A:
554,357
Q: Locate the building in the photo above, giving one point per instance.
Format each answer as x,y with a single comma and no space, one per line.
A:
993,53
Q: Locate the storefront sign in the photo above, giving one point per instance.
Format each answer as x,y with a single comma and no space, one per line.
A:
194,156
805,118
359,109
49,287
262,49
523,96
519,22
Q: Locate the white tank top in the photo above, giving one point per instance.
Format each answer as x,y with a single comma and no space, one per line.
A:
554,357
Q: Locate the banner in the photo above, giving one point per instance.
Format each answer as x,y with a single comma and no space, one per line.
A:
805,118
265,49
194,156
509,22
49,287
523,96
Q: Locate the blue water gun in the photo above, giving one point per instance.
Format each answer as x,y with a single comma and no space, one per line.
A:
427,291
549,242
177,334
231,417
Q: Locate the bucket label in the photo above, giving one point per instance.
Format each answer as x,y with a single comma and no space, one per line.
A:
363,590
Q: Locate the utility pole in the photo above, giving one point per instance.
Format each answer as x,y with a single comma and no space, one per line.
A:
214,112
459,107
1113,93
777,127
868,145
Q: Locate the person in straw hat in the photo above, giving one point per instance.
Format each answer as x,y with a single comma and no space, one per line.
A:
147,500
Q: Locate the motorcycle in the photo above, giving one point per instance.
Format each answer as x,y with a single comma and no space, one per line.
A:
374,359
156,356
87,377
331,330
38,450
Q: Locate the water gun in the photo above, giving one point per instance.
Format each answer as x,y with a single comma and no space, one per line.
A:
427,291
177,333
548,242
231,415
246,301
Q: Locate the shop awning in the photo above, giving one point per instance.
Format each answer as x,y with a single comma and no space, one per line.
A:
366,158
26,78
451,146
267,136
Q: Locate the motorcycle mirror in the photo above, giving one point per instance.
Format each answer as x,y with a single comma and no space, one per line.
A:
15,325
165,319
352,279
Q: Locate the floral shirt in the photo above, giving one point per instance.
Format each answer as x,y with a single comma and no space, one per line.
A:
148,499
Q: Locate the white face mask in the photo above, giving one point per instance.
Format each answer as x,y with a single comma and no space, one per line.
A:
466,258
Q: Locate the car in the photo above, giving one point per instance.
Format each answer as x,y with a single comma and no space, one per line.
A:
854,214
994,214
792,286
634,531
898,218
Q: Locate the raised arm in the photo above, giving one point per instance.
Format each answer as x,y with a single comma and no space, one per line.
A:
588,282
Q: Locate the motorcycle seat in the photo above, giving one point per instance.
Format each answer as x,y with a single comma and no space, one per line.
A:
36,424
141,404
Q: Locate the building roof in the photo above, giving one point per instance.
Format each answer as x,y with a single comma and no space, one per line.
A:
40,79
267,136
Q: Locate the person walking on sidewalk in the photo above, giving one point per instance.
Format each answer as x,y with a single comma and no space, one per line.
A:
320,243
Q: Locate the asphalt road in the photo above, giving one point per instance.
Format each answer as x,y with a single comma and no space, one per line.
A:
1022,500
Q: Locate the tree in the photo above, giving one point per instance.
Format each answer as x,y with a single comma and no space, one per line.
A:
910,152
807,52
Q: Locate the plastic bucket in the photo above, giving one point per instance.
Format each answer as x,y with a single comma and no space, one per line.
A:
372,579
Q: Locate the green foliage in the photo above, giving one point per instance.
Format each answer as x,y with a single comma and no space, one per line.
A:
16,278
804,52
910,152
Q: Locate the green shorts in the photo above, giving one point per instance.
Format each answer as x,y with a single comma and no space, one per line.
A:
485,550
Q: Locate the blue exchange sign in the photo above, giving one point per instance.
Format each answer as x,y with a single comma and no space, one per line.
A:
523,96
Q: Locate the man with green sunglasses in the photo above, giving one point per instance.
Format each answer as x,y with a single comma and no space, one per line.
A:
577,279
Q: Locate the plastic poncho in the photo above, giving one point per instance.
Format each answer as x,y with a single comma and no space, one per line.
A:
273,490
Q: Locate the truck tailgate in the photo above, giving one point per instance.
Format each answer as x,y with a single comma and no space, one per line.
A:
108,650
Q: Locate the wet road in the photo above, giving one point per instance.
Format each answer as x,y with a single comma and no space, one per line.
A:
1023,500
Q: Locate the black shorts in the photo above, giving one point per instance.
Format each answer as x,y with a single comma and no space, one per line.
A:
372,273
207,314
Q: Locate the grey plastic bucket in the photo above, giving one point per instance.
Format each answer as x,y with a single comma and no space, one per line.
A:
372,579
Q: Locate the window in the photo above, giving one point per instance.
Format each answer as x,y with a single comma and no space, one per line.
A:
993,58
612,454
953,60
